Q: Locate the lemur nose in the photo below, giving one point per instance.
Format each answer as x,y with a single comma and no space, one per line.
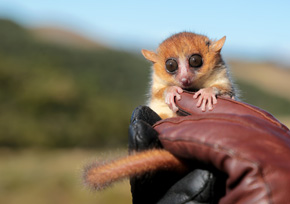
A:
185,81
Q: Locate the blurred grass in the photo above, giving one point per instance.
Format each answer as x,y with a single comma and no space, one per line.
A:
45,177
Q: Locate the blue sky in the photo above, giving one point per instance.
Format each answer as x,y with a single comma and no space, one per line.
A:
253,28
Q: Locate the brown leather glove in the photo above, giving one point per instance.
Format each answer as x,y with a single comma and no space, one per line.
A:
248,144
165,186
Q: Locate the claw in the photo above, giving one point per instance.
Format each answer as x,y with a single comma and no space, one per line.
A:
171,93
206,96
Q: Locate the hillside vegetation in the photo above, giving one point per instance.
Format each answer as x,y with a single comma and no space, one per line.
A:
53,95
58,96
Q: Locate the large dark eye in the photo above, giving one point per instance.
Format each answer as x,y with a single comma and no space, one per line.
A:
171,65
195,61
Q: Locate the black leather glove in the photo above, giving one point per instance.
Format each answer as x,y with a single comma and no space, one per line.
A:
166,187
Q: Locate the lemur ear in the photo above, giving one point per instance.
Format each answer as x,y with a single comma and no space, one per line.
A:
217,45
150,55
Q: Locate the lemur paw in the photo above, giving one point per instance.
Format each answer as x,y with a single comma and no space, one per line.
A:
207,96
170,93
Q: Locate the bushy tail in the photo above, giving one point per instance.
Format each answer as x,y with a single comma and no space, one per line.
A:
100,176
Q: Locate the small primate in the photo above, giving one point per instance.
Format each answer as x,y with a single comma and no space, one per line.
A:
188,61
184,61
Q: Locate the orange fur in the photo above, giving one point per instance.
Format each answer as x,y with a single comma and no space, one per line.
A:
101,176
213,72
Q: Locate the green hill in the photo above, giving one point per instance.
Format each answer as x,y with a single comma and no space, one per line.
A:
59,96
